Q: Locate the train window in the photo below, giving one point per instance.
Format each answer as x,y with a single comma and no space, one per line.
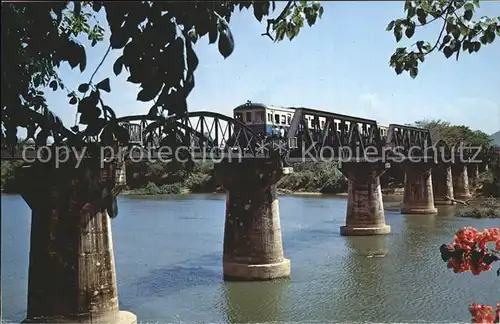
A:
238,116
322,124
276,118
289,119
259,116
249,116
270,117
283,119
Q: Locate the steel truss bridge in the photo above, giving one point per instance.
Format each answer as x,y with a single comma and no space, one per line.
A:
204,135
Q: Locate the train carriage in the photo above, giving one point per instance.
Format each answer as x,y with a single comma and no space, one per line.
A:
266,121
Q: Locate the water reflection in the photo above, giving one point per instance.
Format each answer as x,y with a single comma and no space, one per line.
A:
369,246
364,289
254,301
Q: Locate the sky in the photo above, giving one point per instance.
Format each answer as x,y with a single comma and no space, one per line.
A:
339,65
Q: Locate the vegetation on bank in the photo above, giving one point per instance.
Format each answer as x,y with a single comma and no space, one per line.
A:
175,178
489,208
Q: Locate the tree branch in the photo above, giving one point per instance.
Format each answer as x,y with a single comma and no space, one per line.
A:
93,75
458,201
440,34
100,64
277,19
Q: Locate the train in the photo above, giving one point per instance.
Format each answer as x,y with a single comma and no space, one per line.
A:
268,121
264,120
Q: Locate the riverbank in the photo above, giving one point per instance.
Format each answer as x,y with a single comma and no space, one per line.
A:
481,207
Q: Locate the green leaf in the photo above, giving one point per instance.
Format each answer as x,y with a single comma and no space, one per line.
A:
149,92
446,40
447,51
390,26
427,47
257,11
53,85
454,45
104,85
476,3
118,65
84,87
226,41
414,72
489,36
398,32
477,46
422,16
468,15
410,31
398,68
411,12
73,101
469,7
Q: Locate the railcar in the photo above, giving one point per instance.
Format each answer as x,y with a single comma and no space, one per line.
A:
264,120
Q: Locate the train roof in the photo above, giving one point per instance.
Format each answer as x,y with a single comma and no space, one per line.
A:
250,104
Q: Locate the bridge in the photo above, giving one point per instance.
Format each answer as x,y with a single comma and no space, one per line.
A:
72,273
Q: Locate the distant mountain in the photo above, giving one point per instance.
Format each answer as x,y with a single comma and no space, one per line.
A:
496,138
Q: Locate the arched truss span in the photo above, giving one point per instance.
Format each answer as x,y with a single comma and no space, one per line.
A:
202,134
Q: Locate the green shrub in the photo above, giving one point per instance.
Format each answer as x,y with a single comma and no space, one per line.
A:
311,177
490,208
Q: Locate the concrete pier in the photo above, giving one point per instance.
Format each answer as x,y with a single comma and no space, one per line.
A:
442,184
253,247
72,276
418,196
460,181
365,208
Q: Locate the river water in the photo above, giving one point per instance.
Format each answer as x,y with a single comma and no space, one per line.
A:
168,254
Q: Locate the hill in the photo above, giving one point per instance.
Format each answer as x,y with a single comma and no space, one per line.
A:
496,138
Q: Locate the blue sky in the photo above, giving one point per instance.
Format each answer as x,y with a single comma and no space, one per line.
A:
340,65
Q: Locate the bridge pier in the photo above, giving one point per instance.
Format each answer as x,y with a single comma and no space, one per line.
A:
418,196
72,277
253,248
460,181
442,185
365,208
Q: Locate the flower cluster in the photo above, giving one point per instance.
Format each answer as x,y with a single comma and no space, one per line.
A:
469,250
484,313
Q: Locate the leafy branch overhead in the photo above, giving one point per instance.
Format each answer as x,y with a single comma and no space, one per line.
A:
459,32
157,43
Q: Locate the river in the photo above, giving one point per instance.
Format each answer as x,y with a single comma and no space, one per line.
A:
168,254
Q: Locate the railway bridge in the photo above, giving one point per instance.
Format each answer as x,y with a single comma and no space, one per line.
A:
72,194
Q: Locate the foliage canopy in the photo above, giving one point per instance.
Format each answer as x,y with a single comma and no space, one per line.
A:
156,40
